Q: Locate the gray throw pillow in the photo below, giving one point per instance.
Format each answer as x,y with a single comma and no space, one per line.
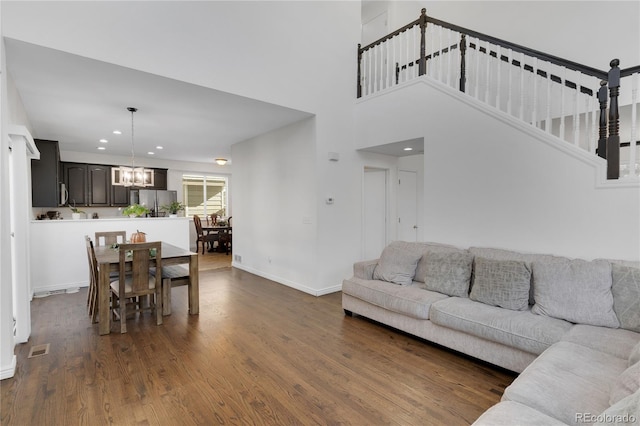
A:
575,290
626,296
503,283
448,273
396,265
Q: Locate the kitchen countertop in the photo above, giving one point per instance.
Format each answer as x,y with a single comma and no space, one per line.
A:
103,219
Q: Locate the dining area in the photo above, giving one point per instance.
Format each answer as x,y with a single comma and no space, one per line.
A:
134,276
214,234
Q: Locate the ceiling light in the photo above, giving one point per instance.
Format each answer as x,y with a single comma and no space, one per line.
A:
101,148
221,161
104,141
117,132
131,176
159,147
408,149
151,153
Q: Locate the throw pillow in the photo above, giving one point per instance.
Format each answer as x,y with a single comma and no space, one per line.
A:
503,283
624,412
626,296
396,265
575,290
448,273
626,383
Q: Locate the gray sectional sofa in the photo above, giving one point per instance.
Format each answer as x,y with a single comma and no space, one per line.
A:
570,327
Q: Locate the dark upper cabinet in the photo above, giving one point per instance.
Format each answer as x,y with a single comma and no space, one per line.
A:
159,179
45,186
120,195
99,185
75,178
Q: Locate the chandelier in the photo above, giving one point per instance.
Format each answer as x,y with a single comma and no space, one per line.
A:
131,175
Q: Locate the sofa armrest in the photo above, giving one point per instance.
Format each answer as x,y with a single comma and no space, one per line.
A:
364,269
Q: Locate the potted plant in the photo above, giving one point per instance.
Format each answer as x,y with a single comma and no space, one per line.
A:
135,210
75,212
173,208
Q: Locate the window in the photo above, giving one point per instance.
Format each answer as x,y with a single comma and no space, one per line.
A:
204,195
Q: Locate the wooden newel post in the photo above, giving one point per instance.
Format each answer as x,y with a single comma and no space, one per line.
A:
602,139
422,62
359,89
613,141
463,62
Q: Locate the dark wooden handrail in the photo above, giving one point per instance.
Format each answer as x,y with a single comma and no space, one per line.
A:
522,49
389,36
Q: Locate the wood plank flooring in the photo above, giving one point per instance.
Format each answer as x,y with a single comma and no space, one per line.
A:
259,353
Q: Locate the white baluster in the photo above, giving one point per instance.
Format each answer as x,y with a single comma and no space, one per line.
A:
477,55
549,83
576,115
562,86
522,72
634,134
534,108
510,82
488,77
498,76
593,134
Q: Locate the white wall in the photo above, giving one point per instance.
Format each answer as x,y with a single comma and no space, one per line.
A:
495,181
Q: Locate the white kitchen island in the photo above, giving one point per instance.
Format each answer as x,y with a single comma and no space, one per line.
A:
58,254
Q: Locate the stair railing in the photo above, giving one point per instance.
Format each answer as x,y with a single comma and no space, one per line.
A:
558,96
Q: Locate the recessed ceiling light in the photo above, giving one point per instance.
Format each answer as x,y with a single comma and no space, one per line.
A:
102,148
103,141
408,149
159,147
117,132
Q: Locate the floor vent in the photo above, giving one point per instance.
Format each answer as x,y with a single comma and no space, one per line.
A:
39,350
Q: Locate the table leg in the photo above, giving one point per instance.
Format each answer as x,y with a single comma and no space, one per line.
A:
194,289
104,309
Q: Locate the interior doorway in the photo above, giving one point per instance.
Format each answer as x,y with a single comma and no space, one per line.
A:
375,212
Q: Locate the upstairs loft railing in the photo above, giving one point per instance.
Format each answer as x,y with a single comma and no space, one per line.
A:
587,107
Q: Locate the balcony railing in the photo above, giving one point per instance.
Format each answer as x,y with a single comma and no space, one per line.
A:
593,109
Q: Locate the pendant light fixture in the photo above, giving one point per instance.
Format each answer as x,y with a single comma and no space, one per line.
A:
131,176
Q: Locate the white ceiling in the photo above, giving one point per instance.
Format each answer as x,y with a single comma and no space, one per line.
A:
78,101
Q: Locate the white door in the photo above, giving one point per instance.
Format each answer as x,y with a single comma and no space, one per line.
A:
407,205
374,232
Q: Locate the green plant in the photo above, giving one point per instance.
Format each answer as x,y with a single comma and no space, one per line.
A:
173,208
135,209
74,209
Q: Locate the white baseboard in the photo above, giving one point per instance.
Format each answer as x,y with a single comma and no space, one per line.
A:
288,283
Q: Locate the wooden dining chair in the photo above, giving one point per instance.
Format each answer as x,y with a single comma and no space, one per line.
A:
138,280
111,237
212,219
201,236
92,294
172,276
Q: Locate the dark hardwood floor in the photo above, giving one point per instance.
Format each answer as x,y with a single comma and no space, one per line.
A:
258,353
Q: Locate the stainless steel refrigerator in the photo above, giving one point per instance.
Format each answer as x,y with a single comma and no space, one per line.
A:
153,199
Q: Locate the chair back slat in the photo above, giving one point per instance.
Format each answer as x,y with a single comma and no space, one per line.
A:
111,237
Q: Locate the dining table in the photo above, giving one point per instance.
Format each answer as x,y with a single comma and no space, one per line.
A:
215,229
108,261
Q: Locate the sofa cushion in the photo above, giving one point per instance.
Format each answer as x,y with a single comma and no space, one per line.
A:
412,300
528,258
427,248
575,290
448,272
397,264
624,412
626,383
626,295
618,342
565,380
519,329
510,413
503,283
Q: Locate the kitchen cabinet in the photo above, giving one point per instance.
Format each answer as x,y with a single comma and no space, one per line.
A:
45,182
120,195
75,179
99,178
159,179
